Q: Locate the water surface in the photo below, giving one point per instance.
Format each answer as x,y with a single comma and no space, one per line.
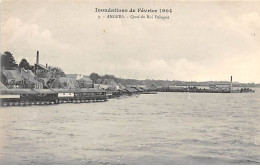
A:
167,128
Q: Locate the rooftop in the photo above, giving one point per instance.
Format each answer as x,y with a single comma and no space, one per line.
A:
12,74
42,66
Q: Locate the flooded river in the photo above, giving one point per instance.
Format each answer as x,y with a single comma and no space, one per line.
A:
164,128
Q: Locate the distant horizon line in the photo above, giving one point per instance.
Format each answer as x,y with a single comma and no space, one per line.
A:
169,79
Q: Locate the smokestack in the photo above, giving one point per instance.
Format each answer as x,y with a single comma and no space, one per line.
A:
231,83
37,58
46,65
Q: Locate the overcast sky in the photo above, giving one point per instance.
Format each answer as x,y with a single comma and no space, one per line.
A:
201,41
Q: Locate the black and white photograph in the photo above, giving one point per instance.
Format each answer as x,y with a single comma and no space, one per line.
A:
148,82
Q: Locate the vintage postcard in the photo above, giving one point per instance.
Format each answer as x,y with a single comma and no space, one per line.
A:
129,82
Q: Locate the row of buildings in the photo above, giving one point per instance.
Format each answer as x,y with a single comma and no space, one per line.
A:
21,78
43,77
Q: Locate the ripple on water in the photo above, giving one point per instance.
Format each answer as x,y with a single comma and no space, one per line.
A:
167,128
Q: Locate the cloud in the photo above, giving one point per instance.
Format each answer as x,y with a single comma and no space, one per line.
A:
202,41
155,68
21,39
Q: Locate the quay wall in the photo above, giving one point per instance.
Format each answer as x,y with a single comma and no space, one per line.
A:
26,97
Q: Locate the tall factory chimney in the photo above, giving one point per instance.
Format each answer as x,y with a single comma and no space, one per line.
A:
37,58
231,83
